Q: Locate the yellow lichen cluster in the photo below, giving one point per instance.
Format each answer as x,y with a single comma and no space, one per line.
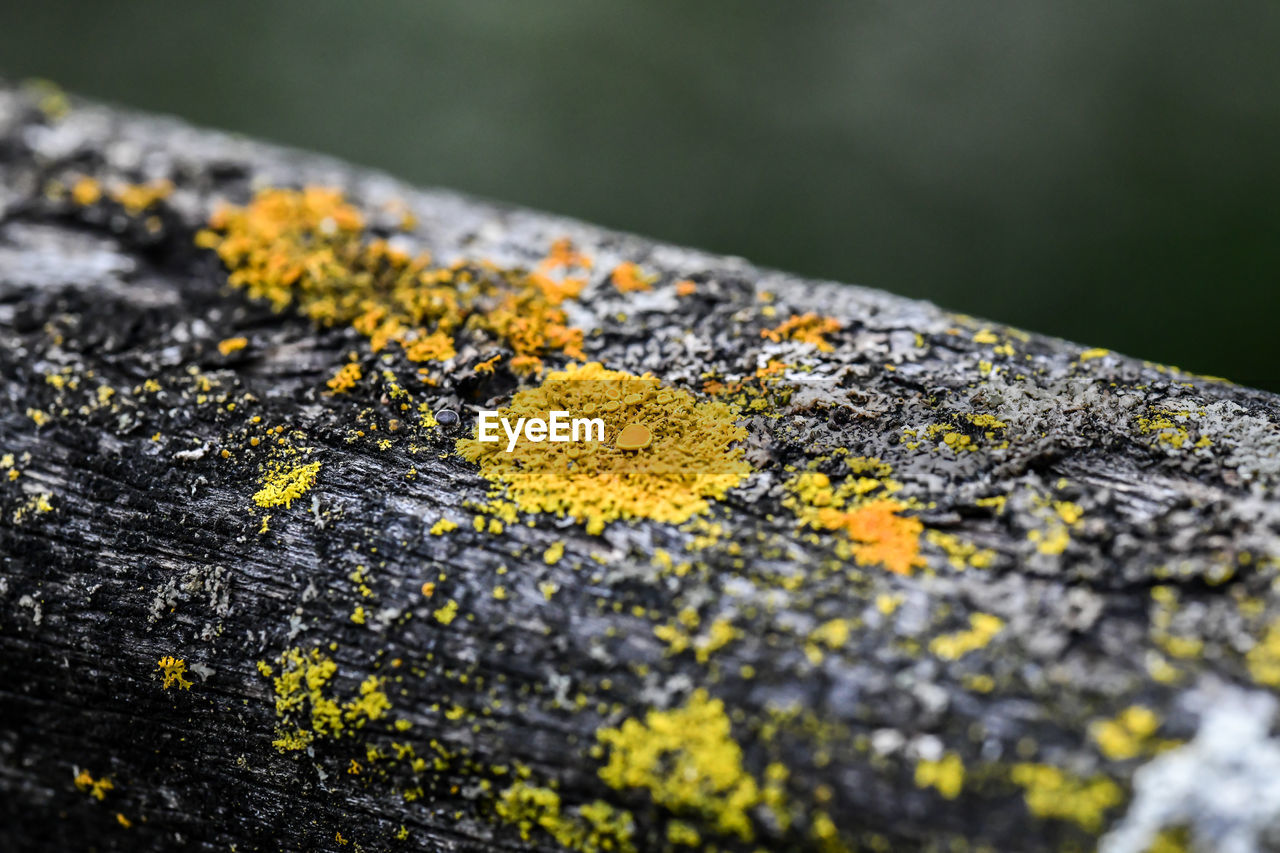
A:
879,533
946,775
96,788
284,484
304,711
982,628
591,828
1263,659
807,328
1127,735
1169,427
310,248
1053,793
690,459
688,761
173,671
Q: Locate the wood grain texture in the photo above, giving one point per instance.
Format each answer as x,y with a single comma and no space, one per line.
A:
1120,524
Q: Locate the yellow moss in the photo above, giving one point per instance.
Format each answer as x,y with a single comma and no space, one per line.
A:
1125,736
982,628
230,345
1052,793
807,328
96,788
284,485
688,761
945,774
309,248
690,461
174,672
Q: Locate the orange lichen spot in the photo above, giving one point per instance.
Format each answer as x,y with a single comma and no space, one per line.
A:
123,821
283,485
309,248
628,277
692,457
230,345
135,198
173,671
346,378
96,788
634,437
486,366
881,534
685,287
807,328
564,255
86,191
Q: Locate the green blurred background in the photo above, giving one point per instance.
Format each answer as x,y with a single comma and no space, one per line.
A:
1108,172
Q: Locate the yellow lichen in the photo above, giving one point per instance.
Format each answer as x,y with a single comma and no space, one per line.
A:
310,248
1125,736
982,628
303,710
443,526
946,775
446,614
174,672
692,458
688,761
592,828
283,485
1053,793
807,328
96,788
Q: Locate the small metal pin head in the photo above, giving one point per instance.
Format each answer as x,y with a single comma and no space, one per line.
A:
447,417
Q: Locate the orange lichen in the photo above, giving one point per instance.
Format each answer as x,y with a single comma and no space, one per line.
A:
96,788
878,532
86,191
345,379
230,345
685,287
691,458
309,248
627,277
807,328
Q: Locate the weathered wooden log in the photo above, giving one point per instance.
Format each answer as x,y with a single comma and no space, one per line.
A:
922,582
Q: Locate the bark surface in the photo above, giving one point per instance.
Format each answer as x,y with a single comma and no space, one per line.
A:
1079,637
